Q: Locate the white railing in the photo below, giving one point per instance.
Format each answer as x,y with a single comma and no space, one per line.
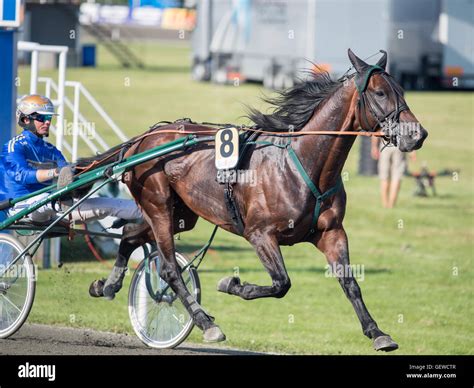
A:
104,115
35,50
80,120
96,143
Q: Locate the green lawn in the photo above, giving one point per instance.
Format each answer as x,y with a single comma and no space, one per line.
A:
418,280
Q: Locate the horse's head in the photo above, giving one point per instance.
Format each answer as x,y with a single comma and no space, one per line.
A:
382,105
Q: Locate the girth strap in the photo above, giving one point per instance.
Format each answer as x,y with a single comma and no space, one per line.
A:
233,208
231,205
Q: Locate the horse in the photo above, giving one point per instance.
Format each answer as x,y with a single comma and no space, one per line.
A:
282,208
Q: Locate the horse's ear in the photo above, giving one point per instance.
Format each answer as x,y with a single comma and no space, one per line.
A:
358,63
382,61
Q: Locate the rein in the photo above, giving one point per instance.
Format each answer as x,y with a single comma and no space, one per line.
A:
213,131
136,140
365,100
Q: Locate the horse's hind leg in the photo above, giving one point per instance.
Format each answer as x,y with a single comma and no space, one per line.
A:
269,253
333,244
133,237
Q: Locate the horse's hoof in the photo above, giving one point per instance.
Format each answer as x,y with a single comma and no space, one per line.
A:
96,288
109,292
385,343
114,282
214,334
227,283
110,295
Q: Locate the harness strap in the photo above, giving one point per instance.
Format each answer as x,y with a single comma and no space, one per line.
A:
320,197
314,190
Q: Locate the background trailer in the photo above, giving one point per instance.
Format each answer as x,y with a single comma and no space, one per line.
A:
429,41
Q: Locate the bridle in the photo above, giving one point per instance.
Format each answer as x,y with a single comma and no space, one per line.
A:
387,122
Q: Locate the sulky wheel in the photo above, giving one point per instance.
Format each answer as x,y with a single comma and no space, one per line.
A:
157,315
17,285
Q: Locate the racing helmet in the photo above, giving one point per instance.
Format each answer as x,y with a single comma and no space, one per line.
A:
33,104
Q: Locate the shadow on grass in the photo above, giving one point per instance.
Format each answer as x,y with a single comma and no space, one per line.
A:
148,69
167,69
438,196
191,248
290,270
78,251
230,352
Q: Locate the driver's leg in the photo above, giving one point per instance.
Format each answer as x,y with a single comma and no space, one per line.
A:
42,215
99,207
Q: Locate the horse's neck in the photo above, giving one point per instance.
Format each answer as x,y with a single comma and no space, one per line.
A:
329,153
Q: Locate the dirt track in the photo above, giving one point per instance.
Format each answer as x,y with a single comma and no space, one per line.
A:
34,339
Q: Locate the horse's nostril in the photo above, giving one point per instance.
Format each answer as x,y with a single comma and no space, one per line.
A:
421,134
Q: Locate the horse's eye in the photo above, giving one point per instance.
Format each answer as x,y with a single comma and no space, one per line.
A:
379,93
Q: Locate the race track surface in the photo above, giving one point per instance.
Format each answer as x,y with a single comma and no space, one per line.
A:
33,339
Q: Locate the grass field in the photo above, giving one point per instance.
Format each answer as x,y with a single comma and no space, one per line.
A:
418,257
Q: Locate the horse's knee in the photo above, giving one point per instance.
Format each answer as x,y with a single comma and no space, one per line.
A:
282,288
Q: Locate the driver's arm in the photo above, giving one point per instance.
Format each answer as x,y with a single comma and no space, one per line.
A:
46,175
18,169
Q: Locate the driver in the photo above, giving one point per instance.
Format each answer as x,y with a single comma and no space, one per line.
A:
30,163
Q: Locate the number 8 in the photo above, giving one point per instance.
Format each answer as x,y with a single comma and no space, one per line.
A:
227,133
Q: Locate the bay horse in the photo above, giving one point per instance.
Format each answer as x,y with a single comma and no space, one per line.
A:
176,189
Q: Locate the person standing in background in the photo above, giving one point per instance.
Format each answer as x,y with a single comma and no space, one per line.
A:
392,164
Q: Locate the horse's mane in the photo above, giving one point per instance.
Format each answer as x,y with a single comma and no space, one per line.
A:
294,107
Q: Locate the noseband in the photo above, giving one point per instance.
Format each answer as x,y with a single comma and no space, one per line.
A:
388,122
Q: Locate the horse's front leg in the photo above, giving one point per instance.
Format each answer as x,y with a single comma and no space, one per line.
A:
269,253
333,244
159,214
